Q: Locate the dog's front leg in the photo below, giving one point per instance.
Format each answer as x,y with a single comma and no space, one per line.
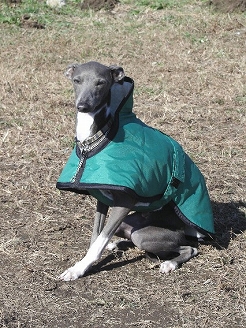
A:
95,251
99,221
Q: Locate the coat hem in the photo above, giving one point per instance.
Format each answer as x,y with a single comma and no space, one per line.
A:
85,189
188,222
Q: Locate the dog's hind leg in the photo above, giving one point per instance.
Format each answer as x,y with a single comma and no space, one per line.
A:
150,234
185,254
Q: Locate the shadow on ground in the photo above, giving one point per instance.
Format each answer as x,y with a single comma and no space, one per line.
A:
230,221
106,264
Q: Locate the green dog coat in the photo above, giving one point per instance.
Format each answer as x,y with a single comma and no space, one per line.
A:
130,156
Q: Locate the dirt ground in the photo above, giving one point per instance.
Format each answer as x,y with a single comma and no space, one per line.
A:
98,4
229,5
188,63
221,5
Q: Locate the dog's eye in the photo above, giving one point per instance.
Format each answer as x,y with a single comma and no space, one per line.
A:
100,82
76,81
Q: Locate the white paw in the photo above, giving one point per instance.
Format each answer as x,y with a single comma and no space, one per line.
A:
111,246
195,252
70,274
168,266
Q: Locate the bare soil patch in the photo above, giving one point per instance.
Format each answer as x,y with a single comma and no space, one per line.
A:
99,4
229,5
188,64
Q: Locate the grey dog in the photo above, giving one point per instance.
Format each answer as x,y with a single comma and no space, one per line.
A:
160,231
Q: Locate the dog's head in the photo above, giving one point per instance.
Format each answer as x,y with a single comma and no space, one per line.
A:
92,82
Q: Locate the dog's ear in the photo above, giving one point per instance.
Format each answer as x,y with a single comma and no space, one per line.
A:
69,71
117,72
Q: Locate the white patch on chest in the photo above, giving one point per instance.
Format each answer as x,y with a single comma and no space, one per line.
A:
84,122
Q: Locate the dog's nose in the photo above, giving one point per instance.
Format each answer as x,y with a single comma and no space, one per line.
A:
83,108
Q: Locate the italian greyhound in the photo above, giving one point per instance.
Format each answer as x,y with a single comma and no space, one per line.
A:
160,232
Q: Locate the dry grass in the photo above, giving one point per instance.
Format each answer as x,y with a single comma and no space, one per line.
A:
188,64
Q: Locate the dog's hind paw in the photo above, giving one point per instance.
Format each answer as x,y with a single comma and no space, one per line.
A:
168,266
111,246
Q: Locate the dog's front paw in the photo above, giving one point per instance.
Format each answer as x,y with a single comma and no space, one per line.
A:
168,266
70,274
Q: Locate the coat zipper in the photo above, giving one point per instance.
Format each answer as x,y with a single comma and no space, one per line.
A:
77,176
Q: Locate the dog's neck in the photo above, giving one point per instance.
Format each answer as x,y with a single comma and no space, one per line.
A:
89,124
